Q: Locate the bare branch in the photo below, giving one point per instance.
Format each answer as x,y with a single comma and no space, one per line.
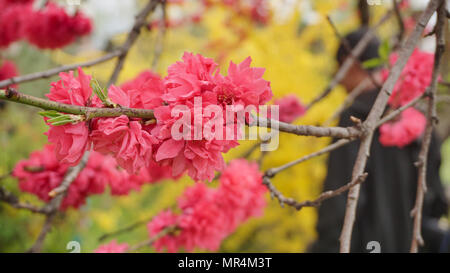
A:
274,171
150,241
11,94
349,49
358,90
132,37
12,200
357,51
159,43
57,70
125,229
399,110
371,122
52,208
307,130
314,203
401,24
431,118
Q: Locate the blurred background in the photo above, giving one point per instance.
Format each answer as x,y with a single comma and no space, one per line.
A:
290,38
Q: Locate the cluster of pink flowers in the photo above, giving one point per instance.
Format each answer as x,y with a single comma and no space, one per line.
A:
49,27
413,81
8,70
112,247
405,130
42,173
290,108
135,143
208,215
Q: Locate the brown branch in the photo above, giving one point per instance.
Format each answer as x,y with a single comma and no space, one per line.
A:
150,241
307,130
159,43
11,94
125,229
440,98
57,70
37,246
372,120
314,203
357,51
397,111
347,46
431,119
13,201
132,37
52,208
400,22
270,173
358,90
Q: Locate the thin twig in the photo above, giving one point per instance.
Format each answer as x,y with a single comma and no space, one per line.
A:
347,46
431,119
57,70
357,51
11,94
307,130
274,171
132,37
400,22
155,238
12,200
399,110
159,43
52,208
371,122
358,90
125,229
310,203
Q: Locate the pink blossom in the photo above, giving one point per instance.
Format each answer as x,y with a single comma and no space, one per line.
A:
290,108
12,17
70,89
51,27
404,131
241,191
71,140
414,79
200,158
124,139
209,215
112,247
8,70
163,220
42,173
145,91
190,77
197,76
243,85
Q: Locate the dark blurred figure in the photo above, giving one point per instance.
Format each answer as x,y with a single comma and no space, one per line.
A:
388,194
